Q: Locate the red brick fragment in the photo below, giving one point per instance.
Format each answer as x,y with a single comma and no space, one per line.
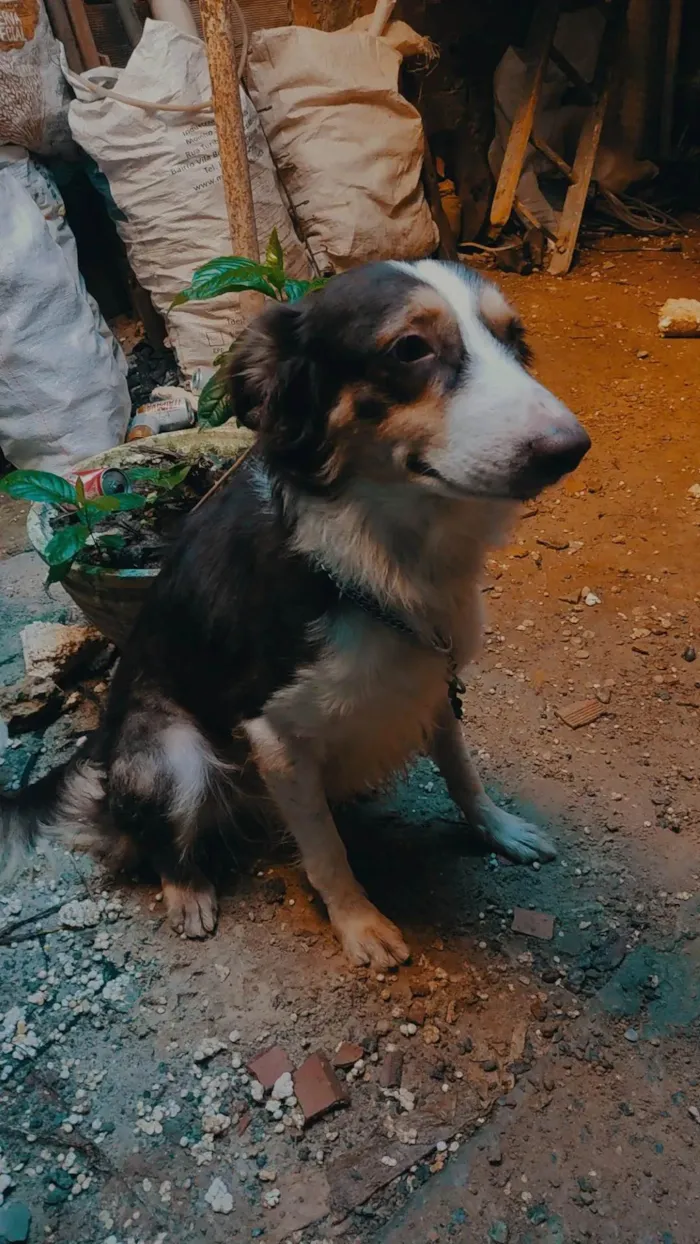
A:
268,1067
583,713
347,1054
391,1069
318,1088
416,1013
533,923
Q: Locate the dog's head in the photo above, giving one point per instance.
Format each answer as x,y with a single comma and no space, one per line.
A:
403,373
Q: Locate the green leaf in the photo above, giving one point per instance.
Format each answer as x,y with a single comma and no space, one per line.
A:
214,407
66,543
111,541
174,476
222,276
101,505
58,572
128,501
293,290
39,486
80,491
274,255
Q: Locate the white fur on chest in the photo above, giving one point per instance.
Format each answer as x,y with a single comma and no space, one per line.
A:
369,703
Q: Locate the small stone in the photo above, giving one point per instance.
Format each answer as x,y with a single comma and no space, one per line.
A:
207,1048
690,654
347,1054
271,1198
431,1034
494,1153
283,1088
79,914
219,1197
391,1070
416,1012
533,923
489,1065
15,1221
269,1066
632,1035
498,1233
30,705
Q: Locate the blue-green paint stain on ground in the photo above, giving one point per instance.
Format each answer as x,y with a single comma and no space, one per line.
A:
672,1005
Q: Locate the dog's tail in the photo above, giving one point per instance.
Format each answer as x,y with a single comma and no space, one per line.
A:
63,808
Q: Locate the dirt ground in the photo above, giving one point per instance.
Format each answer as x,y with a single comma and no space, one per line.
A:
550,1089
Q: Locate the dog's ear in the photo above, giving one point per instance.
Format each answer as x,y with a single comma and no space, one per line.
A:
281,390
263,365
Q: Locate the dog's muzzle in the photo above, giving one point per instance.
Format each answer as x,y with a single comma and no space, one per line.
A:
549,456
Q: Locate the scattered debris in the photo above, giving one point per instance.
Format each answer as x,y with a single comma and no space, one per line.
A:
391,1070
318,1088
219,1197
533,923
694,491
79,914
207,1048
582,713
680,317
15,1221
57,652
347,1054
30,705
557,545
269,1066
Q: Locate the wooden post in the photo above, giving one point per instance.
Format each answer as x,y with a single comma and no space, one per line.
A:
537,50
217,25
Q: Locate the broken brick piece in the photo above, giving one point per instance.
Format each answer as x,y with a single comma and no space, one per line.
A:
318,1088
347,1054
533,923
391,1069
416,1013
581,714
268,1067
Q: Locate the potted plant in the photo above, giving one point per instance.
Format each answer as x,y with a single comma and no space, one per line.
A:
106,550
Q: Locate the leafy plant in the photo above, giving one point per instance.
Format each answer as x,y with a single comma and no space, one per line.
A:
68,542
234,273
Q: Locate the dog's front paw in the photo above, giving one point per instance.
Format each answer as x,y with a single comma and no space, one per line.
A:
512,837
192,910
368,938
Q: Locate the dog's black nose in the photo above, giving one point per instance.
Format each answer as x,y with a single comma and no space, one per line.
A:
549,457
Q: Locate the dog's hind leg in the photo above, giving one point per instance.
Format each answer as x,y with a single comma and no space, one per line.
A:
293,778
500,831
161,782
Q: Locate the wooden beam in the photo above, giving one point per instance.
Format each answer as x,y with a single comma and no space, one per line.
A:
673,41
218,29
552,155
537,48
588,142
83,34
572,74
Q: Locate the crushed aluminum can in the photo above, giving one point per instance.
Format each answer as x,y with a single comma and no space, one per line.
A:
102,481
170,415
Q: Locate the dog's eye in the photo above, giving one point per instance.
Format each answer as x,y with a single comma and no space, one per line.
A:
411,349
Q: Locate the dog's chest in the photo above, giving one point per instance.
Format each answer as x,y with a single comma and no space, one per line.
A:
367,704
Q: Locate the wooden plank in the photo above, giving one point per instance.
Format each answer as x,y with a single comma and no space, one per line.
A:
219,38
63,31
83,34
552,155
561,61
587,149
539,43
673,40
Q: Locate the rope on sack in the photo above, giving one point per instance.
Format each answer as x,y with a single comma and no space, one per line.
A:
158,106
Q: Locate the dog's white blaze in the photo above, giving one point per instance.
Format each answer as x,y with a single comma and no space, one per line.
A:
499,408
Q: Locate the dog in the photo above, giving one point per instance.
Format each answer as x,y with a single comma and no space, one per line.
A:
310,622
